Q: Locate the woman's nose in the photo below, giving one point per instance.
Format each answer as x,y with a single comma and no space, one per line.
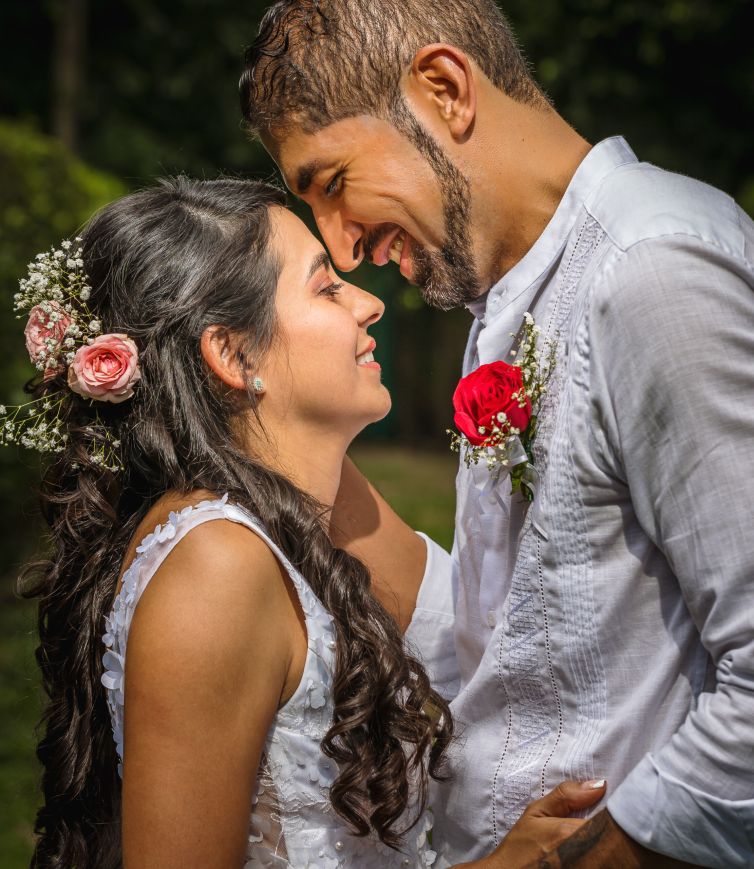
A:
367,308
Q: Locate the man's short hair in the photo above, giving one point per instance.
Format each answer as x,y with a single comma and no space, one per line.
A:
315,62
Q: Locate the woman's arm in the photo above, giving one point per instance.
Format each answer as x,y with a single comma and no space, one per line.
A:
364,524
214,647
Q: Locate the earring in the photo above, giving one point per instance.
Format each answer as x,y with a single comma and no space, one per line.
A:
258,384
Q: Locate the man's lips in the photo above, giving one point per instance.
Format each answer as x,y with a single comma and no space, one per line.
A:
395,245
380,253
406,262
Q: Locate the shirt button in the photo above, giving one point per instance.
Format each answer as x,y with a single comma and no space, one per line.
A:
491,618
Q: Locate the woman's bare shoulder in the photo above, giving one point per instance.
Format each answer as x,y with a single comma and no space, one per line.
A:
221,580
214,627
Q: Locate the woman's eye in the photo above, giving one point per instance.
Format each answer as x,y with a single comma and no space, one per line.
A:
331,289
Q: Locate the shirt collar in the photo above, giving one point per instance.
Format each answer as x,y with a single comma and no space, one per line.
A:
602,159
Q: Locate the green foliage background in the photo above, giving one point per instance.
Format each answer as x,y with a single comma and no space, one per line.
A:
159,96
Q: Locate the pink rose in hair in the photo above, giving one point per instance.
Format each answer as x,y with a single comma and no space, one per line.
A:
45,333
106,369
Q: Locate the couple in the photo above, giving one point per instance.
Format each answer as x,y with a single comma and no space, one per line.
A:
603,629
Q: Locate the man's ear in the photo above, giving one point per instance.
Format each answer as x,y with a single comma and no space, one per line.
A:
220,350
441,82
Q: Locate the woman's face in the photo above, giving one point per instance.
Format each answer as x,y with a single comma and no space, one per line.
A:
320,374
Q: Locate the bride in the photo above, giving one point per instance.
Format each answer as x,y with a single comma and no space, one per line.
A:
205,372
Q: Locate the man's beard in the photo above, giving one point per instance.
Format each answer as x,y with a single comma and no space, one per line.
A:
447,278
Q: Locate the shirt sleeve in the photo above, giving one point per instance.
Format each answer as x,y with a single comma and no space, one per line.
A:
672,332
430,634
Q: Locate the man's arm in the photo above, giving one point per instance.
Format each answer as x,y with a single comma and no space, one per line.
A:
602,843
672,356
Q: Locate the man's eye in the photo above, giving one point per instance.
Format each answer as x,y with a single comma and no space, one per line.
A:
332,187
331,290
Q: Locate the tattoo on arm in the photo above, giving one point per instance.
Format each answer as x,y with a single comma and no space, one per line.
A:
602,843
584,841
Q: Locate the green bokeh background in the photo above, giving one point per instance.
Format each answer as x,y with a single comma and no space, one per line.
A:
157,95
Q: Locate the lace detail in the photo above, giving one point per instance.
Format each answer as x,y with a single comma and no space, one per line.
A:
292,823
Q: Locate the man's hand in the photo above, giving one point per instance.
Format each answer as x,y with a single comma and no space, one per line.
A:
601,844
543,825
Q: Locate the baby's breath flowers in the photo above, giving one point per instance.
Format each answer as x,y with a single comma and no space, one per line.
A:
54,296
62,333
35,425
496,411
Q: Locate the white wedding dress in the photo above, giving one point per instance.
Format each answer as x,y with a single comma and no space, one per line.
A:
292,823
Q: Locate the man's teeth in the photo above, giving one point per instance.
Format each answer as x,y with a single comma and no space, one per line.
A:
395,248
365,357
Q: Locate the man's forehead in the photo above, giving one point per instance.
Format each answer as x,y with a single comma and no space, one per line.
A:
300,155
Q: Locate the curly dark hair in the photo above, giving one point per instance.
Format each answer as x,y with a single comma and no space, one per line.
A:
164,264
315,62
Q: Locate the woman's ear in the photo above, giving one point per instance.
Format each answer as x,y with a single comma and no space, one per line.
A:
220,350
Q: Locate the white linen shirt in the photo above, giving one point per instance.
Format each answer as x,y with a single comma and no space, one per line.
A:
608,629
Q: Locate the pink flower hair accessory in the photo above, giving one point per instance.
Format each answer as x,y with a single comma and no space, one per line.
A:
106,369
63,332
45,335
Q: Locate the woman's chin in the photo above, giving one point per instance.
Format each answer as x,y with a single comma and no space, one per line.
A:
379,410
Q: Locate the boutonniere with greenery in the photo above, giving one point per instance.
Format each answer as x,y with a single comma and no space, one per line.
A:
497,408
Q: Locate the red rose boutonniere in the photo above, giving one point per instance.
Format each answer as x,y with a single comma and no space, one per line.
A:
496,408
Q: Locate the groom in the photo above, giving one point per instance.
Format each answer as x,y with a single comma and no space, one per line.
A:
607,629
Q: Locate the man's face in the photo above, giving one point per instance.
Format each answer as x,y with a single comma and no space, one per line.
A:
380,195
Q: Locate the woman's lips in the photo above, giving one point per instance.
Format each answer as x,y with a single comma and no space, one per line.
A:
366,358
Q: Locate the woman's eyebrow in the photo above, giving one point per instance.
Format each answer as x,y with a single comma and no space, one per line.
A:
321,259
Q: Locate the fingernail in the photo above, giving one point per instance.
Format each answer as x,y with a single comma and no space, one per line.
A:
594,784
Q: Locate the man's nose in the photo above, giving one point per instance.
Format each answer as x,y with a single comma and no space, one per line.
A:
343,240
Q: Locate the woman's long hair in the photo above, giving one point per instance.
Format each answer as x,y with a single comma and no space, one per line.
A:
164,264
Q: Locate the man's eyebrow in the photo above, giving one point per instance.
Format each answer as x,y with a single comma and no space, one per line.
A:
322,259
306,173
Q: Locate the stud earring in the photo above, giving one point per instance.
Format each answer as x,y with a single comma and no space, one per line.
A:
258,384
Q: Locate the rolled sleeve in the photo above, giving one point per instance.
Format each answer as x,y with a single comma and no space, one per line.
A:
672,330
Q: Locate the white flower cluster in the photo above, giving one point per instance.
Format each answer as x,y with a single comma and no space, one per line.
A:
527,356
58,288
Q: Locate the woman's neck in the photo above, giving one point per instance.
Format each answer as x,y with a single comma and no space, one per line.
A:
311,459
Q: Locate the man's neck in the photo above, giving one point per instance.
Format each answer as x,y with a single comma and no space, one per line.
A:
527,156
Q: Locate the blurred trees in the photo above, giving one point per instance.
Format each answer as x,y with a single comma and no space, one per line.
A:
70,21
45,195
676,77
159,78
